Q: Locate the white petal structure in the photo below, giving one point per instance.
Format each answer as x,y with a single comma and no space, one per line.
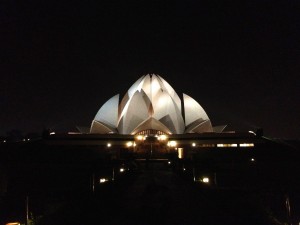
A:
195,116
151,104
106,119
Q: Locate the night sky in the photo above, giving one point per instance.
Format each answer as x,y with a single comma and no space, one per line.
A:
61,60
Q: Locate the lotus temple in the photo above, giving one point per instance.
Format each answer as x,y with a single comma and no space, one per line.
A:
154,142
152,106
153,121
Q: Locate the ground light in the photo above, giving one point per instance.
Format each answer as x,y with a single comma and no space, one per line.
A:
103,180
205,180
13,223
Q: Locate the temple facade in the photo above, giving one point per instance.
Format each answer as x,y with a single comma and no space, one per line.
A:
152,106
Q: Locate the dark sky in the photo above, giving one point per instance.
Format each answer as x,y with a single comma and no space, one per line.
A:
61,60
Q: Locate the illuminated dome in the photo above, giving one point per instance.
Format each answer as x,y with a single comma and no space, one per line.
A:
151,104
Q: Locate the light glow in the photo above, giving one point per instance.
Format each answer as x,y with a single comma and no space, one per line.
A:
108,145
180,153
206,145
246,145
226,145
122,170
13,223
103,180
162,137
129,144
140,137
252,160
194,144
172,143
205,180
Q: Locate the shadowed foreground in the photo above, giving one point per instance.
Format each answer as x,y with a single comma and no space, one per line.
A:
157,195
